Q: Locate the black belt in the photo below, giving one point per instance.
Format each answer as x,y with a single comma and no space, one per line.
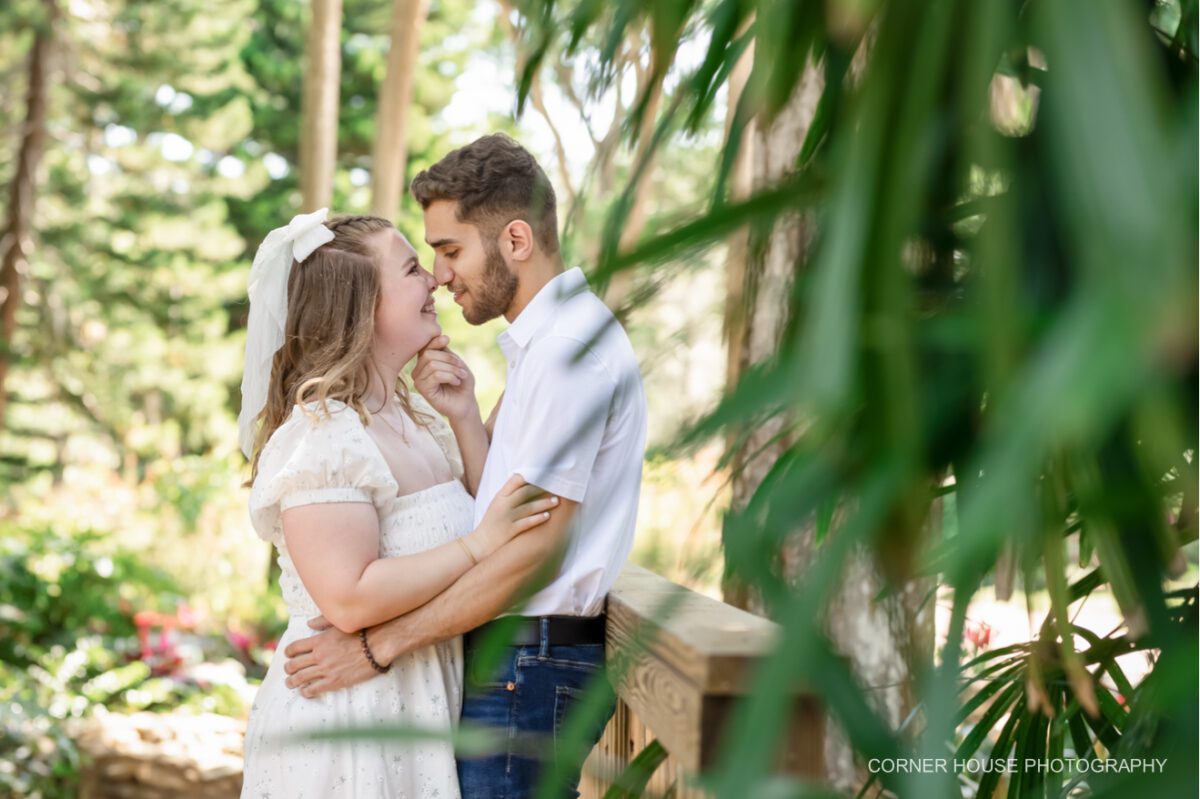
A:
560,631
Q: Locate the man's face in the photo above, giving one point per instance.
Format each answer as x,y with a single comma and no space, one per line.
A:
472,269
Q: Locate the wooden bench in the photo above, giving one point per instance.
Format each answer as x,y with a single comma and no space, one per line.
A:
694,658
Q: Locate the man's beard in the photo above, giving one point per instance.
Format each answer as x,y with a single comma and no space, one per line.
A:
495,291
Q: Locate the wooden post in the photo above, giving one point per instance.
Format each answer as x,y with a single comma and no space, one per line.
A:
680,689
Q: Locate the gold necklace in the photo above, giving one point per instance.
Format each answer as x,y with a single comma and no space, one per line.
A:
379,414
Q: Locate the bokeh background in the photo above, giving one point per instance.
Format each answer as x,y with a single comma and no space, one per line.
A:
913,287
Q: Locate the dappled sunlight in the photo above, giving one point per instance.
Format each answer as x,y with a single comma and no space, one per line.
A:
911,288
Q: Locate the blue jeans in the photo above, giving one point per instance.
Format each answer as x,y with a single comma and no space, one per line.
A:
527,699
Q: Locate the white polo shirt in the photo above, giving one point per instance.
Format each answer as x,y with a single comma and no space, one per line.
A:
572,421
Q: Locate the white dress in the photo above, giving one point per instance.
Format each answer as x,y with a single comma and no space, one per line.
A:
335,460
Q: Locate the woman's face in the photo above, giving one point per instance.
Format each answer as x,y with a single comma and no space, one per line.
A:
404,318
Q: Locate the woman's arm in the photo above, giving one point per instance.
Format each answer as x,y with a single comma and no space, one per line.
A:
335,548
329,660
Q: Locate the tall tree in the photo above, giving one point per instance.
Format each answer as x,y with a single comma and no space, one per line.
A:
760,308
877,628
319,126
741,185
16,240
390,154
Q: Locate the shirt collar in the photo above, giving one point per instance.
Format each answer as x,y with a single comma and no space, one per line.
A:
543,305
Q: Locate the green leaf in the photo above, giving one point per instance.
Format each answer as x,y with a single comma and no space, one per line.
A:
1004,742
1007,701
632,781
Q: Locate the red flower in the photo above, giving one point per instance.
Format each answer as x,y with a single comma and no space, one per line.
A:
978,633
186,617
239,640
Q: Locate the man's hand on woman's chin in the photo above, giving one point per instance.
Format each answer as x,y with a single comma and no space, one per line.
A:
328,661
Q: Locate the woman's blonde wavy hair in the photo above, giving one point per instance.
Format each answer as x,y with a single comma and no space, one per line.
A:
326,352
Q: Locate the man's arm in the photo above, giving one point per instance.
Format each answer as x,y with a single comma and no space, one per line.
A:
333,660
514,573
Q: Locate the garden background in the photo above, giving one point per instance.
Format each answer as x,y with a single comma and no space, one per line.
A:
913,286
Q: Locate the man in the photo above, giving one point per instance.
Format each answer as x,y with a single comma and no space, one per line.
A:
572,421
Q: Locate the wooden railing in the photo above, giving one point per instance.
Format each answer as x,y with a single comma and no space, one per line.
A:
693,658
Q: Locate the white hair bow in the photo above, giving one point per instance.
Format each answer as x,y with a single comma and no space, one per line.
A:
268,309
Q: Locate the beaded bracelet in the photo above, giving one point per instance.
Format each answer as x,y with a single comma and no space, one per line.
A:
362,634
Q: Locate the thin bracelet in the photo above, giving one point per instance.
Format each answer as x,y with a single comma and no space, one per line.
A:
362,634
467,549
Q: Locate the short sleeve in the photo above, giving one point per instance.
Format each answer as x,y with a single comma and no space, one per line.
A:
315,458
439,428
567,396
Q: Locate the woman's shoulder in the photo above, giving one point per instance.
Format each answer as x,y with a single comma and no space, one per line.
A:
316,414
322,438
310,422
320,448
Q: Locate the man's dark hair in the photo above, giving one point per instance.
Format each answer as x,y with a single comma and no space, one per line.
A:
494,180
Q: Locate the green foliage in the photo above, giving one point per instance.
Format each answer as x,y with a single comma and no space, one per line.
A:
995,315
130,330
55,588
632,782
1017,702
39,703
68,645
40,759
171,153
999,300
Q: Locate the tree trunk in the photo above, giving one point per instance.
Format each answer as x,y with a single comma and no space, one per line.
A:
757,312
738,319
887,641
15,243
883,639
319,128
391,137
741,183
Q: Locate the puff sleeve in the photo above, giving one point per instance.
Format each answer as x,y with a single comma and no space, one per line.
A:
315,458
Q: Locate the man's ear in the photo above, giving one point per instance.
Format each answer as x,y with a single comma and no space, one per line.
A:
516,240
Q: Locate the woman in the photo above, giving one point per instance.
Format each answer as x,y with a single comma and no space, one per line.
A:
366,496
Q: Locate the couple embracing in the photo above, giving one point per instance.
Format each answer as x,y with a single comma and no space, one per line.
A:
405,524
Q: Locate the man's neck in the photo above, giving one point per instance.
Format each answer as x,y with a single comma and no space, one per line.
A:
534,276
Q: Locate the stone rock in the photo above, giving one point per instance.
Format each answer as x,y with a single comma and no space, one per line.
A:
161,756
